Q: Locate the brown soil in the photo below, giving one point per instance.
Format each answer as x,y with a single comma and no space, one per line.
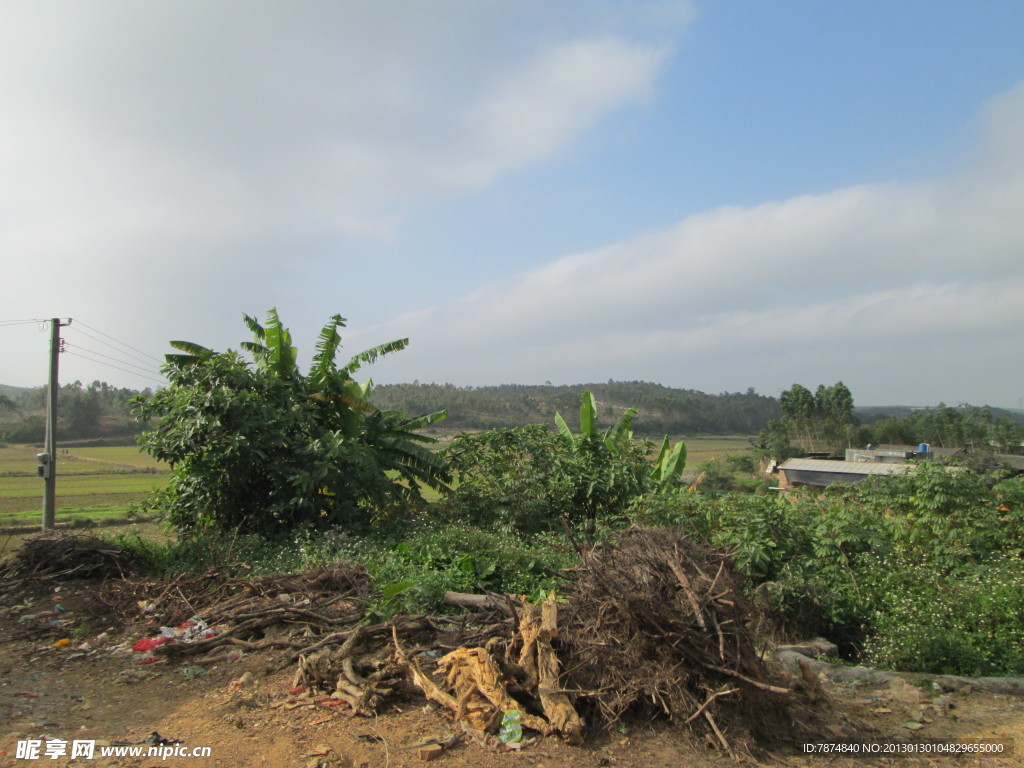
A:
94,688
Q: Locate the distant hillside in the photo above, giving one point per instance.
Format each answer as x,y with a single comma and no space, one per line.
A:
869,414
98,410
662,409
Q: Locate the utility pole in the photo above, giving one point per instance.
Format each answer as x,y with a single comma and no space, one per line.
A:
48,459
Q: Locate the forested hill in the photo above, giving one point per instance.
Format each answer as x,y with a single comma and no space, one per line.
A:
662,409
96,411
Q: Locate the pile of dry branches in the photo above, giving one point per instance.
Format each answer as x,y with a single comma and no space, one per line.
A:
657,623
54,554
651,624
315,620
218,596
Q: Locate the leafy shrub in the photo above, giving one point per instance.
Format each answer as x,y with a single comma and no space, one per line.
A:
260,447
414,574
969,624
527,479
921,571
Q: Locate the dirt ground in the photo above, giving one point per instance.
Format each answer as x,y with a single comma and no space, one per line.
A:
94,688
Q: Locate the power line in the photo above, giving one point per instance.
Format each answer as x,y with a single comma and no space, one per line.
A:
125,370
108,344
124,344
23,322
147,369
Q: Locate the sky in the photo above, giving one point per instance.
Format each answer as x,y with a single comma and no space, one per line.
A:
708,195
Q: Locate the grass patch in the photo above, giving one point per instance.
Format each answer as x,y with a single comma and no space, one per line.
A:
125,456
411,574
82,485
34,504
700,449
73,517
20,460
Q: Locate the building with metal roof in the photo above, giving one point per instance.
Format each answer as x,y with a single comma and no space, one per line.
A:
823,472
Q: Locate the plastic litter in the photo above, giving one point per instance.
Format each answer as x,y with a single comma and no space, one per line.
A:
192,631
511,727
149,643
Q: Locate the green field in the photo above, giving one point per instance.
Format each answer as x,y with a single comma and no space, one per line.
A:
92,483
700,449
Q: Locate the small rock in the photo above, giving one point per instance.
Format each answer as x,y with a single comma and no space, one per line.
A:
817,648
825,647
901,690
430,752
244,681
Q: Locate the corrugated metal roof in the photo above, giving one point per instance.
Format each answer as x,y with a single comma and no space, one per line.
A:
845,467
1017,462
913,449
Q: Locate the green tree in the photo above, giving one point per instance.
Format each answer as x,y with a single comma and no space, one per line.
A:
775,441
821,421
527,479
608,470
258,446
512,479
1005,434
798,410
834,406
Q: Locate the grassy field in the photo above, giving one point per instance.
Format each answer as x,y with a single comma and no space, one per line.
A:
700,449
92,483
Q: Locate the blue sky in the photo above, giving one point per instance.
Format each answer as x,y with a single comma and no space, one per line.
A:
714,195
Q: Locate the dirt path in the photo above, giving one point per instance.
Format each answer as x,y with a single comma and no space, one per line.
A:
98,691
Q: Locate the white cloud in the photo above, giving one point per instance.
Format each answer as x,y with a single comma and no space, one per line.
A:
223,119
157,157
540,107
916,275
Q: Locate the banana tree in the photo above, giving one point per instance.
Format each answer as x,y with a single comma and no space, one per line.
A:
271,347
607,468
668,467
614,438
